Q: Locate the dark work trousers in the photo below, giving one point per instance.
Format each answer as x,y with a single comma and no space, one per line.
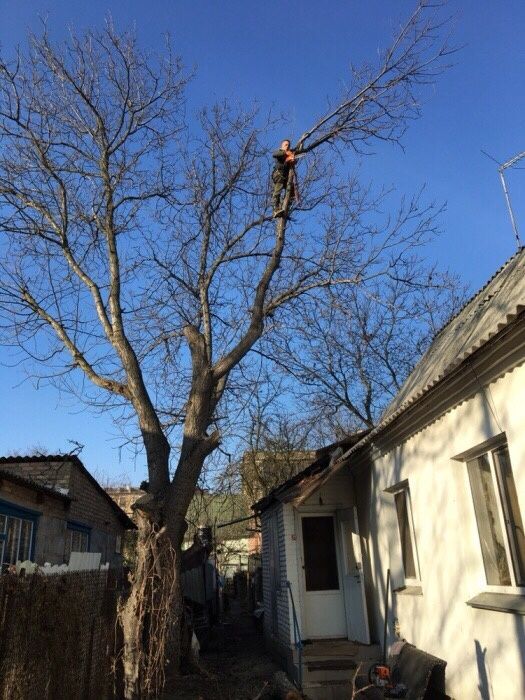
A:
279,180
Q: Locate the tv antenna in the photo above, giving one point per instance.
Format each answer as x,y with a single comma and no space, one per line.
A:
501,170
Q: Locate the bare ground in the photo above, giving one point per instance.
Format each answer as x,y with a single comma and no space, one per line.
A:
234,661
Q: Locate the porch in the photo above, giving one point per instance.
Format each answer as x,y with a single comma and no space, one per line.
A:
329,666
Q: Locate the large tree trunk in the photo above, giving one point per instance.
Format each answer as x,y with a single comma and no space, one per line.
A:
151,616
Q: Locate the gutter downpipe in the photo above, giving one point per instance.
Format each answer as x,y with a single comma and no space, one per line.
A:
298,642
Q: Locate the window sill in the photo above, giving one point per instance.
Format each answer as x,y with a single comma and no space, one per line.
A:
500,602
409,590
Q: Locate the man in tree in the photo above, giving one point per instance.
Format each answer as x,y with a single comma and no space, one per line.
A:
129,260
284,162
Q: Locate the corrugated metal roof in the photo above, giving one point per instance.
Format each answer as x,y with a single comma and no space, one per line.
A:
492,308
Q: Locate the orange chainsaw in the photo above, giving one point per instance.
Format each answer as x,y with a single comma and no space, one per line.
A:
381,676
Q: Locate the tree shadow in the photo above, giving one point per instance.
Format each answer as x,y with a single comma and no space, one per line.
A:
484,685
519,623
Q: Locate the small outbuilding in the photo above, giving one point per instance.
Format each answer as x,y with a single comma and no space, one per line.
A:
313,554
51,506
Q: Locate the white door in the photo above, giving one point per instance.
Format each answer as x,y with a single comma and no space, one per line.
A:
353,577
324,607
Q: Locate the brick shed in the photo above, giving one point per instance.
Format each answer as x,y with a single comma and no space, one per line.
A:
51,506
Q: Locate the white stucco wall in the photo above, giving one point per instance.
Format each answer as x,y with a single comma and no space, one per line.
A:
485,650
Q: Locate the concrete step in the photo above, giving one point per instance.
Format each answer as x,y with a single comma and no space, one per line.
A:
330,664
328,690
360,652
329,670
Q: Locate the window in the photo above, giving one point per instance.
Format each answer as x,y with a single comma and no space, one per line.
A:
320,559
498,515
17,526
401,493
77,538
405,533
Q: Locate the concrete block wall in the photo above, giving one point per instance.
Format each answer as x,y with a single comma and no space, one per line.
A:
50,540
56,475
90,506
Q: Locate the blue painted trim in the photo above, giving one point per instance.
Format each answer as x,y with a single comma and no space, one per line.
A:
80,527
15,511
7,508
73,525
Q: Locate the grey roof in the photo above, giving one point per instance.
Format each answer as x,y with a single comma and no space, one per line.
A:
492,308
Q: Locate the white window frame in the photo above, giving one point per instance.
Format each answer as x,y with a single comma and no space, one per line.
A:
488,448
404,486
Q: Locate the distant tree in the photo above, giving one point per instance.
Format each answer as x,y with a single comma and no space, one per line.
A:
276,451
141,264
350,356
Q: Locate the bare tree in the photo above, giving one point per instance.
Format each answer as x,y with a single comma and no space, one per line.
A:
139,256
276,450
349,357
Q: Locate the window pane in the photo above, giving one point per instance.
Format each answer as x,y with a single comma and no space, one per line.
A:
3,524
13,537
403,521
489,526
75,541
320,559
513,519
78,541
26,531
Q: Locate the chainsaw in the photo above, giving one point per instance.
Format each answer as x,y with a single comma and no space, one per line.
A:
381,676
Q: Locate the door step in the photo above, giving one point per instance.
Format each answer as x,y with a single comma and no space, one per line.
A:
328,690
330,664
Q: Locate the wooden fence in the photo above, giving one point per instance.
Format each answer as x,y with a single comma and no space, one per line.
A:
57,636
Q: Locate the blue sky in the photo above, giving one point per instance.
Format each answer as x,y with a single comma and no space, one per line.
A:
293,55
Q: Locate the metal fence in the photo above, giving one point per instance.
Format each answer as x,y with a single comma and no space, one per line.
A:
57,636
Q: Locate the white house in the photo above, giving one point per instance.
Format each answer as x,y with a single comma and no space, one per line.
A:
312,556
435,494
